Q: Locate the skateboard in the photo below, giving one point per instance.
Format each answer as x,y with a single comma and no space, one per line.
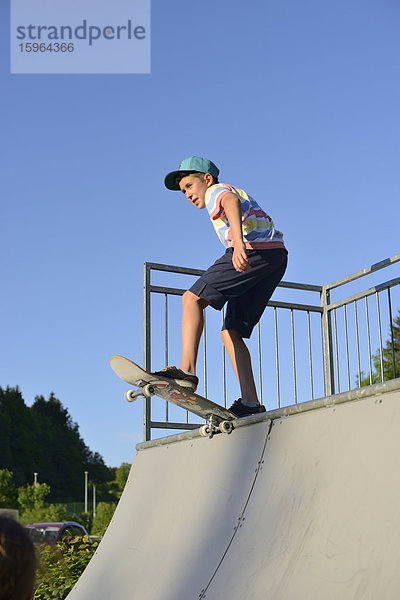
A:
219,419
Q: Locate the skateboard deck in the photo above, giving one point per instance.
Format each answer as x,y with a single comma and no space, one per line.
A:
218,417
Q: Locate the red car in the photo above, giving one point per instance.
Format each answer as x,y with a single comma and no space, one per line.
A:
51,533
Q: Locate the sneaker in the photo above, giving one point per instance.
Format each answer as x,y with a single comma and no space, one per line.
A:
241,410
179,377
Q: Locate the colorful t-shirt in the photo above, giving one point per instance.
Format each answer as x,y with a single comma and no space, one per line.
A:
258,228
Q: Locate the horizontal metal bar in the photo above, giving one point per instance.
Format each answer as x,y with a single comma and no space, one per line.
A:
173,269
289,284
372,269
187,271
170,425
275,303
309,287
292,305
365,293
158,289
387,284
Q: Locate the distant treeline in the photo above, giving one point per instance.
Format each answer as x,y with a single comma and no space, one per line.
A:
43,438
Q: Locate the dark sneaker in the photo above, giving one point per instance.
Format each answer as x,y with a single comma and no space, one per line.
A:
241,410
179,377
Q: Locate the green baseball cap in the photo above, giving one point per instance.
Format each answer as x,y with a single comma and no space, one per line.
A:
193,163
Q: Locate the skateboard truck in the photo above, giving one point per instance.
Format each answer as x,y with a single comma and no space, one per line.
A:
145,389
214,425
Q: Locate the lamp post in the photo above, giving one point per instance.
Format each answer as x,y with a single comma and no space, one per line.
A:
86,491
94,500
35,478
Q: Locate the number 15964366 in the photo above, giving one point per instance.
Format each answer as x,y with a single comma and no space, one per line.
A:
43,47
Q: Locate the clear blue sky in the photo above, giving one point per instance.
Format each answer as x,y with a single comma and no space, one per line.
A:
297,102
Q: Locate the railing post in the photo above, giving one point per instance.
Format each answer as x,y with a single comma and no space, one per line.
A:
146,348
327,344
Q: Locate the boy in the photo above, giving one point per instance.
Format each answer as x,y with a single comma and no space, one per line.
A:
245,276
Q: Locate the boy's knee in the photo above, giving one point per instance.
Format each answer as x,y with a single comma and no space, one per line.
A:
190,298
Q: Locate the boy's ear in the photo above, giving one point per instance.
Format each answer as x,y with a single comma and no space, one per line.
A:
209,179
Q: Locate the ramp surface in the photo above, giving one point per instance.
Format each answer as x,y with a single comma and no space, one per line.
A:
299,507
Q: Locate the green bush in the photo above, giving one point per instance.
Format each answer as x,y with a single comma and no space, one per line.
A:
60,567
52,513
104,514
34,507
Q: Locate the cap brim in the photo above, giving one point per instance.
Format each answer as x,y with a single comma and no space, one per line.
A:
170,181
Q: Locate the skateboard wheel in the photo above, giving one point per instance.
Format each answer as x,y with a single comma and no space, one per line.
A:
149,390
130,396
205,431
226,427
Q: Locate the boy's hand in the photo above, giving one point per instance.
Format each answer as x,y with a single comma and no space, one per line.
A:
233,211
240,260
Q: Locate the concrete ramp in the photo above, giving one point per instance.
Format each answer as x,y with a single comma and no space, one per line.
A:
297,504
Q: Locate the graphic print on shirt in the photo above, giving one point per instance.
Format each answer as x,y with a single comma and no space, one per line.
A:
258,228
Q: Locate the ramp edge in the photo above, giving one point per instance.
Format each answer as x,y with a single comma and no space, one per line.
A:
369,391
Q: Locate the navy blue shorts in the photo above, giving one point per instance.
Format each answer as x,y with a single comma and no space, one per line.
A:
247,293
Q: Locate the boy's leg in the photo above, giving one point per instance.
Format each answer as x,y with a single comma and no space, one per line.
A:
242,314
241,363
192,328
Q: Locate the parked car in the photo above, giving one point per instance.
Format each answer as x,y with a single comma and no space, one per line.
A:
51,533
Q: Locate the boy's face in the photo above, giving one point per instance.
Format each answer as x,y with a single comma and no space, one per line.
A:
195,187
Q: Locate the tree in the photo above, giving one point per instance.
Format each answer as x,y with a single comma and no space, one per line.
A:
43,438
8,492
33,496
17,447
390,358
64,455
121,476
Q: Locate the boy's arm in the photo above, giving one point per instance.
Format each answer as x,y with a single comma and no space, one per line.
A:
233,210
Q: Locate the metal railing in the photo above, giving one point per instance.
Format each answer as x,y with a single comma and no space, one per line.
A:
305,349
